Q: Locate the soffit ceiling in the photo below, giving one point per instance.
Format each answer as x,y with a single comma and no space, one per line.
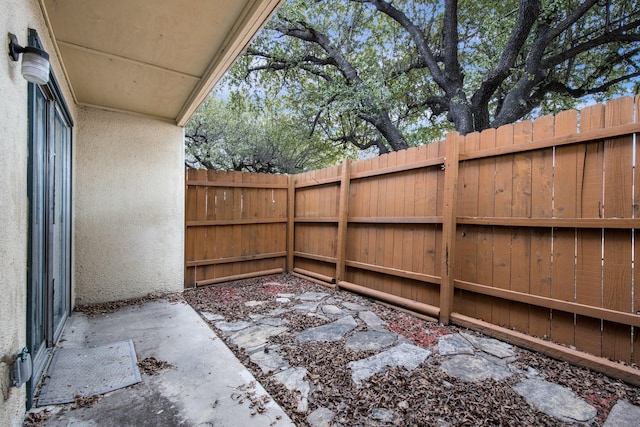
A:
158,58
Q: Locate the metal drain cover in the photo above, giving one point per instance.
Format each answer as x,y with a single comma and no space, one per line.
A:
82,372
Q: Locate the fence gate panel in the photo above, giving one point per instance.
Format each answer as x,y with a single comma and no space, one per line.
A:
236,226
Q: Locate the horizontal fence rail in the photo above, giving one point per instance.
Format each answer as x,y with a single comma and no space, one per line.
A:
525,232
235,226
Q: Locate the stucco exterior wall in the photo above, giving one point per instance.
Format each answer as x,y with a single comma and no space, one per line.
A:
16,16
129,206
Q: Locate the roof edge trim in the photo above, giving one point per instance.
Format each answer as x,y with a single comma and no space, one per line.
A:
255,17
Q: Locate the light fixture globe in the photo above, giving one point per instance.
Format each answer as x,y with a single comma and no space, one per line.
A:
35,62
35,65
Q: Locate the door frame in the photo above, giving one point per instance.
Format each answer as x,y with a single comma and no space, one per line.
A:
48,189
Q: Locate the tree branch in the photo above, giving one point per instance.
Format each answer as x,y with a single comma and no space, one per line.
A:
450,29
527,14
417,36
562,88
618,35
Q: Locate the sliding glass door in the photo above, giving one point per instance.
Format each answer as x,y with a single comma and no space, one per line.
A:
49,187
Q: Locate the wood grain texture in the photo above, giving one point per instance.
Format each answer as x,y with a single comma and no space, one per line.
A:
536,229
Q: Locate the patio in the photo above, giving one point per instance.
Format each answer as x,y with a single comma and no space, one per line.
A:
203,383
328,358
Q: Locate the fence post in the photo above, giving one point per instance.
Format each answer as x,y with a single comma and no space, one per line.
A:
449,222
343,214
291,198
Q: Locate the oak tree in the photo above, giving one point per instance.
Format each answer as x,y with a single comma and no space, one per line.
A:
393,73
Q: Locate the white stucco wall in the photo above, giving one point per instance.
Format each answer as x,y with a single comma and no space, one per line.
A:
129,206
16,16
127,209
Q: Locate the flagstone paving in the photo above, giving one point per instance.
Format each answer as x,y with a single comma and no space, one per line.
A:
371,340
406,355
330,332
555,400
464,356
623,414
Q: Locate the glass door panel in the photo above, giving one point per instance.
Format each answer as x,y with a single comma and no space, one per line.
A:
59,273
37,312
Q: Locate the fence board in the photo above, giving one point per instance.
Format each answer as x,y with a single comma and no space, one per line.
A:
432,234
564,206
467,246
486,208
618,202
588,336
521,238
503,192
541,207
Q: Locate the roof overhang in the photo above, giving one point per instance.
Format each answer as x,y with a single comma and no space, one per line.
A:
156,58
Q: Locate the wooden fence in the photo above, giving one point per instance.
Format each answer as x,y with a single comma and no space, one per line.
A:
526,232
235,224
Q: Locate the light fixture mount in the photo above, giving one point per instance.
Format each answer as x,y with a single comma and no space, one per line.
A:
35,61
15,49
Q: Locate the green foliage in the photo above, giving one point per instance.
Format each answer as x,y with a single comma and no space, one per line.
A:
595,56
325,78
243,135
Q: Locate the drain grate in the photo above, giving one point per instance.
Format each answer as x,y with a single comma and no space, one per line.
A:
82,372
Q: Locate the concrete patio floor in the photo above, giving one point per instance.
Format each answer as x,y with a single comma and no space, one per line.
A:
206,385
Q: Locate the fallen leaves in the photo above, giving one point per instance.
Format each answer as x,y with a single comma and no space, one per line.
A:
151,365
84,401
109,307
36,419
248,392
425,396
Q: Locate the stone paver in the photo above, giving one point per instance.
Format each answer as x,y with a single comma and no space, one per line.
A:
623,414
254,303
330,332
293,380
286,295
272,321
372,320
371,340
406,355
354,307
384,415
313,296
255,337
490,345
473,368
321,417
504,362
555,400
212,317
332,310
451,344
230,327
310,307
529,372
269,359
277,311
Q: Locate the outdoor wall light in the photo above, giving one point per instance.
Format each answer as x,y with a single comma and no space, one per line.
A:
35,62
